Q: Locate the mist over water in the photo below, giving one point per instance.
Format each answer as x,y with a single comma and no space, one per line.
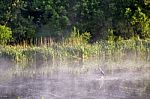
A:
75,79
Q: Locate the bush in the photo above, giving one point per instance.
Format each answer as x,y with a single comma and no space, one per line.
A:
5,34
77,38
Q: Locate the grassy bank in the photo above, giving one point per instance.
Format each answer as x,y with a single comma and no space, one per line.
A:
75,49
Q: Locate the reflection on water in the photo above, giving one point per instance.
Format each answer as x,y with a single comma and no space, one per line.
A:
70,80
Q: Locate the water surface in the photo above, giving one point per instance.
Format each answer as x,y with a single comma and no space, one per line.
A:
76,80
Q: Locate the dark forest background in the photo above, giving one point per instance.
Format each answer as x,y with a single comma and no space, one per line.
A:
27,19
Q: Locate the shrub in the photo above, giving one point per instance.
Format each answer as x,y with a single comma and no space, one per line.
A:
78,38
5,34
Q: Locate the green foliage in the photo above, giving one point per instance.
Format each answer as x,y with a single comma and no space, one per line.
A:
12,15
127,12
12,53
5,34
78,38
111,36
24,29
142,23
90,16
103,49
127,18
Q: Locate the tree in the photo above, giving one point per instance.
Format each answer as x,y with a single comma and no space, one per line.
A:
125,18
11,16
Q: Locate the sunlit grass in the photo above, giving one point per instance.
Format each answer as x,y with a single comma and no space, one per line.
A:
76,46
113,50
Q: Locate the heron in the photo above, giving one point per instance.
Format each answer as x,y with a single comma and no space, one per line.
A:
101,71
101,79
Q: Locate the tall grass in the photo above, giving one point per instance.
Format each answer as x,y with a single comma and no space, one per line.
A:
106,49
77,47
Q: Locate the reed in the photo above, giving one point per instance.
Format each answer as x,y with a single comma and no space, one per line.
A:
69,49
76,46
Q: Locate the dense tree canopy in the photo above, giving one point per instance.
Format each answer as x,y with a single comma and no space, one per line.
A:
125,18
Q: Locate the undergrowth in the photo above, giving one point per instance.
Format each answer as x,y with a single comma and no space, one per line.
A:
77,47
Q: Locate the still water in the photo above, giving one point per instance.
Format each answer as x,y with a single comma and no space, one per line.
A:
75,80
